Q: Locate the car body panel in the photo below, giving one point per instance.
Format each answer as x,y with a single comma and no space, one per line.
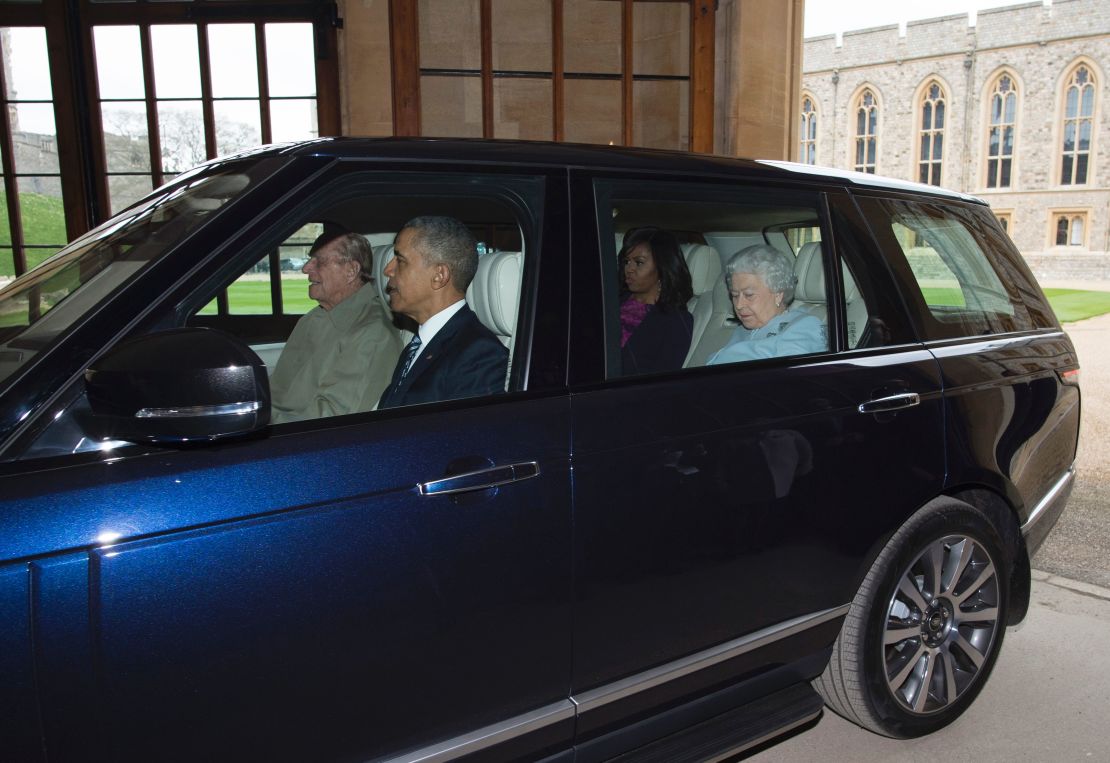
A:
663,549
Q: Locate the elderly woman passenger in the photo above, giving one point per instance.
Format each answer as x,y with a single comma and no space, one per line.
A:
761,284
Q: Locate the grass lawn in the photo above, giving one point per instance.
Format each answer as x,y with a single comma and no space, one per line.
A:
253,298
940,295
1069,304
1075,305
44,223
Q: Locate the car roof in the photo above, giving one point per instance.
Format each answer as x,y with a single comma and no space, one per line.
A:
576,155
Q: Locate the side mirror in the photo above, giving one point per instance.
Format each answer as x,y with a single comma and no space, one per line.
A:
179,386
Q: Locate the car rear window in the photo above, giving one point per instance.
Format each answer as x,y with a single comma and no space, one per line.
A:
958,271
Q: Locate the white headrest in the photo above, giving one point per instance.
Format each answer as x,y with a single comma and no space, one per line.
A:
494,294
383,253
705,266
810,271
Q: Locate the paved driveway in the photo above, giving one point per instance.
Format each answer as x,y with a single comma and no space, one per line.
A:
1048,698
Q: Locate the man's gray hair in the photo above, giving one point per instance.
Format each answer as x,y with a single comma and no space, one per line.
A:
349,246
446,241
775,268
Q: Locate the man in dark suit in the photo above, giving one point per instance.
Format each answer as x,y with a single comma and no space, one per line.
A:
452,355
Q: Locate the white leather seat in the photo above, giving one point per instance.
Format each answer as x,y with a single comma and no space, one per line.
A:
383,254
718,329
810,293
494,295
704,264
855,308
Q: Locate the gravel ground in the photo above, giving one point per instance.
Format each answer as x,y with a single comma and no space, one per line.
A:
1079,547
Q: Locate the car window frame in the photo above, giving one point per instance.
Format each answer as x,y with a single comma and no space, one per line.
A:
926,325
175,303
739,189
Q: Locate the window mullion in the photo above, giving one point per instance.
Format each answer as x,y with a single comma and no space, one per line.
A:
154,134
11,183
626,72
487,68
207,105
276,296
558,134
263,82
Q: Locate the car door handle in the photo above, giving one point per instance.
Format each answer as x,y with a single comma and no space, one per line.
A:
891,403
483,479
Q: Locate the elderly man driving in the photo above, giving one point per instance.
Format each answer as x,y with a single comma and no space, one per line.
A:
761,284
341,353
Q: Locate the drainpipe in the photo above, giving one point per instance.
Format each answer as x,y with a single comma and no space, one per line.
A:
836,120
969,104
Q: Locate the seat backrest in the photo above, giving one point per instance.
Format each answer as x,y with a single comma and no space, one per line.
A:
854,308
718,329
809,293
494,295
383,253
704,264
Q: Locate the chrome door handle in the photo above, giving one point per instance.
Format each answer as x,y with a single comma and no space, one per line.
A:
891,403
482,479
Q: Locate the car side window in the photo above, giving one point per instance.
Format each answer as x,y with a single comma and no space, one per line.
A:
701,276
353,350
253,292
333,336
953,269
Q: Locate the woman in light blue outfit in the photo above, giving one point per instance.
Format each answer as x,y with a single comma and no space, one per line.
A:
761,284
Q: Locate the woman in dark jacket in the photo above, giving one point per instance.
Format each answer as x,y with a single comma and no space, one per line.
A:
655,286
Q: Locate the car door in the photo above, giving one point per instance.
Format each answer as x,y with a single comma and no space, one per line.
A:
391,583
724,514
1001,351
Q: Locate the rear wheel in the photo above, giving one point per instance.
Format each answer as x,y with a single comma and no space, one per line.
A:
926,626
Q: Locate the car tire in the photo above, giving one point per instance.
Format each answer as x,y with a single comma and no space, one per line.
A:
926,626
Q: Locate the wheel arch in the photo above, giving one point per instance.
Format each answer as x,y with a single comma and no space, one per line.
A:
1005,517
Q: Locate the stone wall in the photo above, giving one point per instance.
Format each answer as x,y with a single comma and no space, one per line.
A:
1038,45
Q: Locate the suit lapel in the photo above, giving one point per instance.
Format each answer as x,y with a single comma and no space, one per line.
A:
432,351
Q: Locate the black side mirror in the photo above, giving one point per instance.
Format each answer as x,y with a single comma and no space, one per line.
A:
179,386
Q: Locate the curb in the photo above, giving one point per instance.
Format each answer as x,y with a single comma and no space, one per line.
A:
1088,589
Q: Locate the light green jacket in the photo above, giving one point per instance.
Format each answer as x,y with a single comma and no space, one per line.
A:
336,361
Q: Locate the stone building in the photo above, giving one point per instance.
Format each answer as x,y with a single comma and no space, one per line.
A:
1010,106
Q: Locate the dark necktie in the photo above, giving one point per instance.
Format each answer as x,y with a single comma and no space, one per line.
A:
410,355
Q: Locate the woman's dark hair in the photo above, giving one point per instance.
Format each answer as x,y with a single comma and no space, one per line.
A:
676,288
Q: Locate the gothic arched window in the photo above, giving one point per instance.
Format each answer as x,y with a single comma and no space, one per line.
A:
808,132
932,134
1079,113
1000,139
867,138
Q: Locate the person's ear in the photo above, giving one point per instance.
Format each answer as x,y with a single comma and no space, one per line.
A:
441,276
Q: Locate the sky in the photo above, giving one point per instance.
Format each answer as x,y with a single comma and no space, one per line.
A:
832,16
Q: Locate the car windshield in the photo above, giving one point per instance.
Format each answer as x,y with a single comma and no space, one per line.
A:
42,304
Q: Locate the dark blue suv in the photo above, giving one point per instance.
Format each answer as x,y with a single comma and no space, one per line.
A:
607,558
